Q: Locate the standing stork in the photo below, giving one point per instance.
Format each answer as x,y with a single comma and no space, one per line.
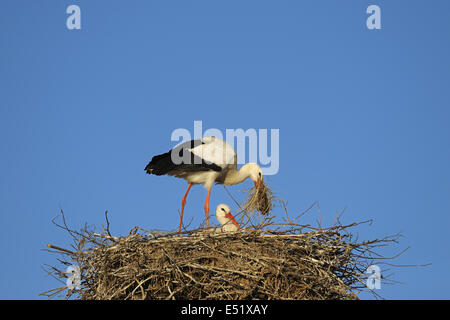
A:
206,161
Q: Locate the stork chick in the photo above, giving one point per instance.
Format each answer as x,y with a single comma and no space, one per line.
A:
226,219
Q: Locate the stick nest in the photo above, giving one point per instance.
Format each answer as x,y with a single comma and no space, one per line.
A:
266,261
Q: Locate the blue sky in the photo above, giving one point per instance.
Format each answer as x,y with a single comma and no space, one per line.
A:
363,118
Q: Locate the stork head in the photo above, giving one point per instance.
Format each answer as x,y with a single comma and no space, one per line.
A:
223,214
254,172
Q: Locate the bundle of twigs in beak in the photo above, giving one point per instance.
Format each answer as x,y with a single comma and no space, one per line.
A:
259,199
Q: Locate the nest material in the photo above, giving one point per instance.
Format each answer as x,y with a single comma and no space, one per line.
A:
269,261
259,199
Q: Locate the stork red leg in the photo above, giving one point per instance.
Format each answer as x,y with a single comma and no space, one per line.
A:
207,207
183,203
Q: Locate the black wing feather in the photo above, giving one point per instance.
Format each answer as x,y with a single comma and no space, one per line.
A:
163,164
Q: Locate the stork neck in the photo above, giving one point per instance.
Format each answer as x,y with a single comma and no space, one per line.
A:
223,221
236,176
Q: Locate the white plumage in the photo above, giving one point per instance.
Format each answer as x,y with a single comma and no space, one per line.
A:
224,216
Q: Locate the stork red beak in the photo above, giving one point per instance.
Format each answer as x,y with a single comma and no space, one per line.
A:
257,182
233,220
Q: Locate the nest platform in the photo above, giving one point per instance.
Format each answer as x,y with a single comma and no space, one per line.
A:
266,261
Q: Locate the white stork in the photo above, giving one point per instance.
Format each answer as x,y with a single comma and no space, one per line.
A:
226,219
206,161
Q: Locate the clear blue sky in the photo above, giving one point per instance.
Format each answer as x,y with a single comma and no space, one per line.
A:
363,118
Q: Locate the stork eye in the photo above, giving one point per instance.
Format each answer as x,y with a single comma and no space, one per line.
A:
222,209
259,174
